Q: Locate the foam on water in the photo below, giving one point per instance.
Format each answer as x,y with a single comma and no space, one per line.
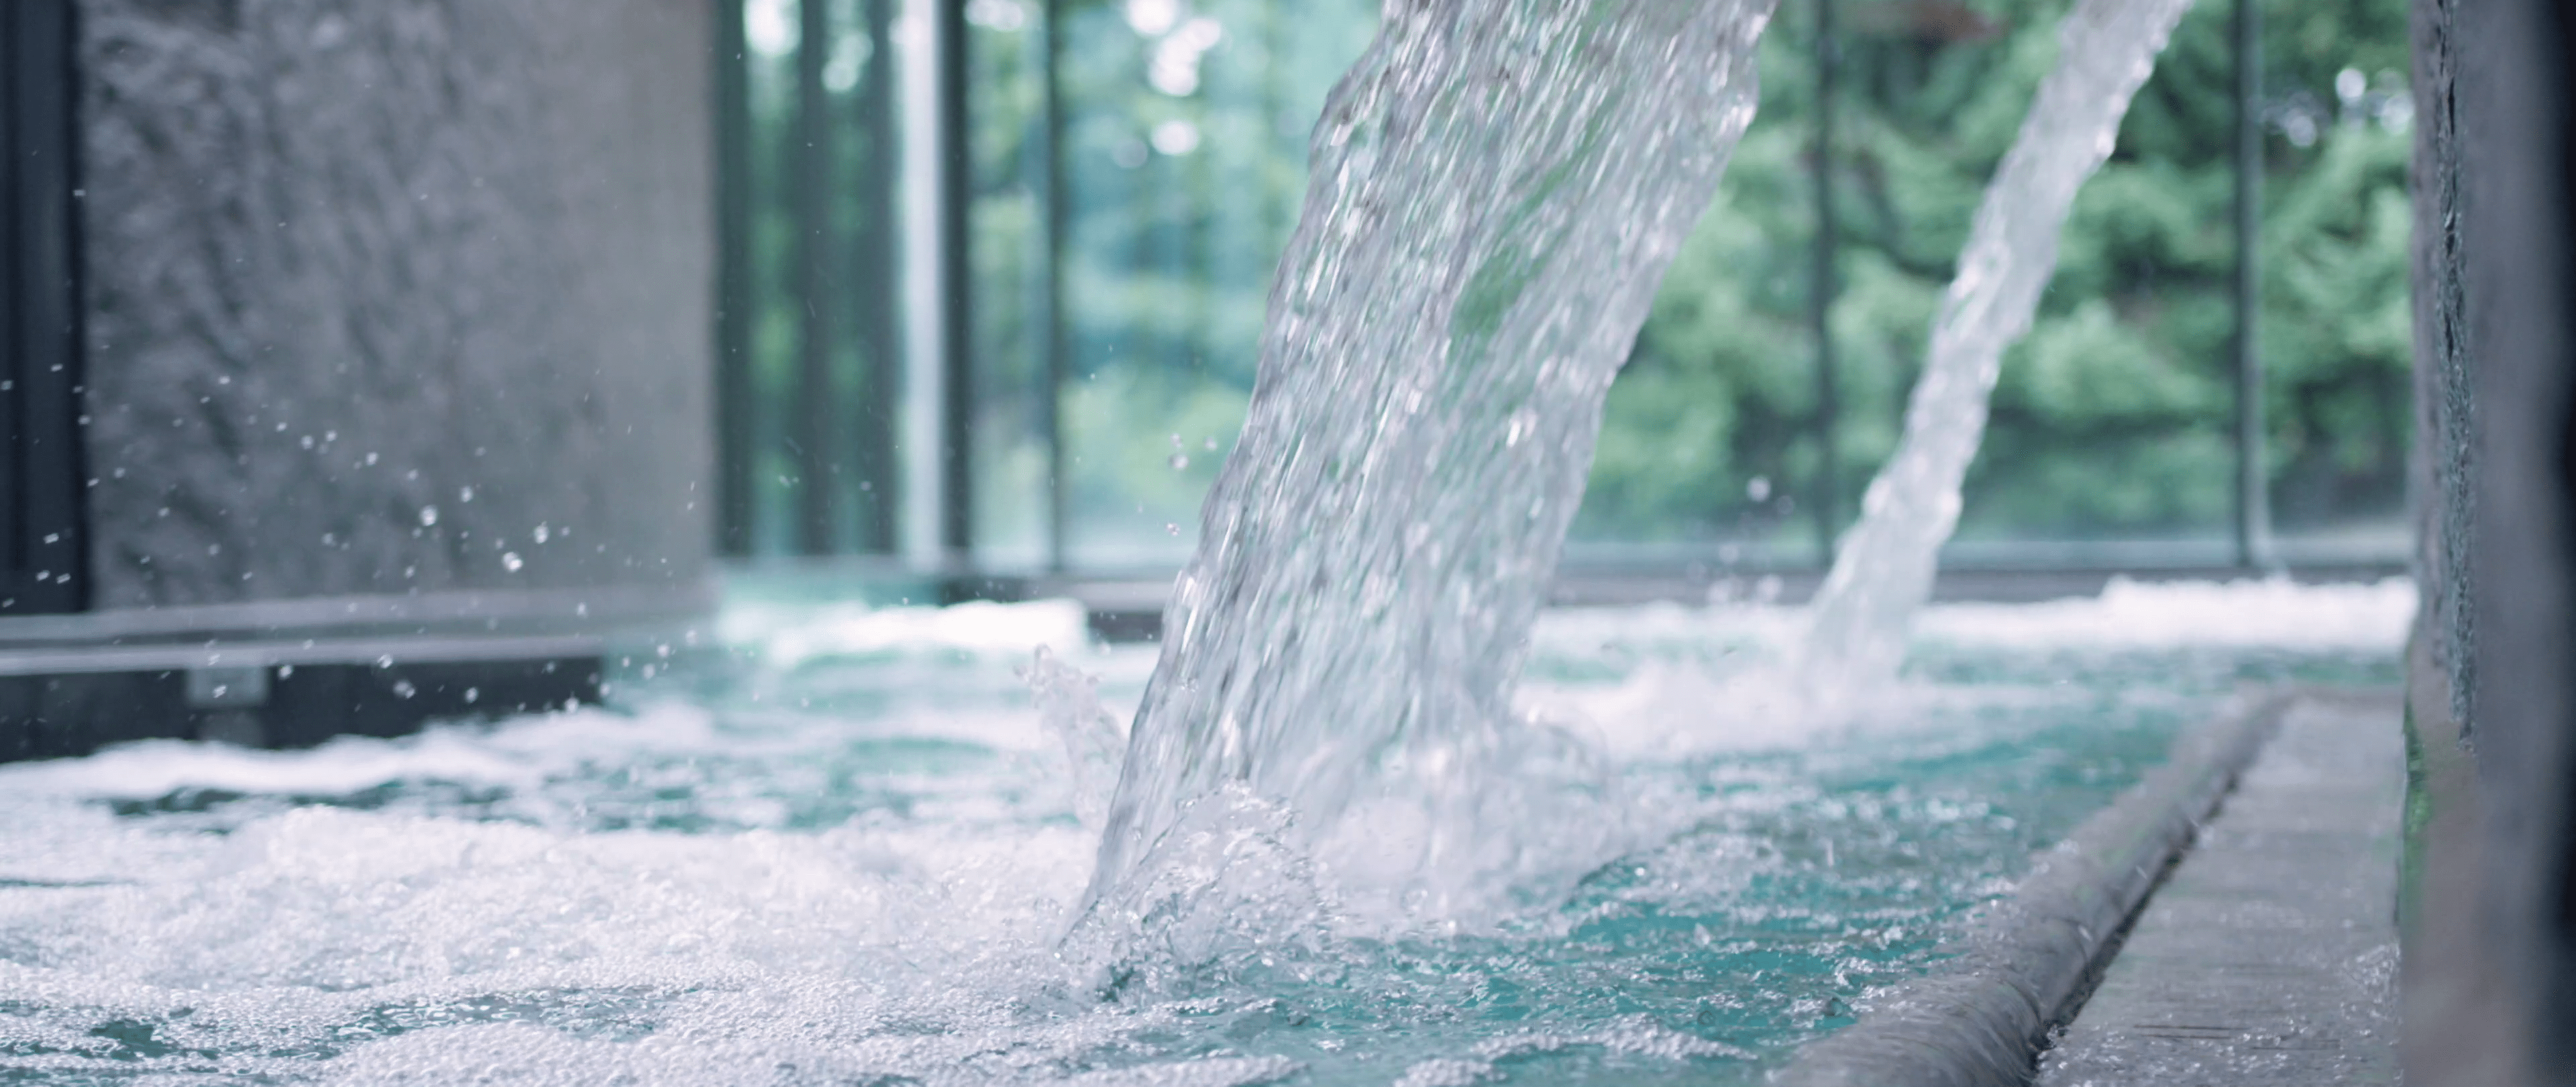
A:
792,634
720,883
1700,680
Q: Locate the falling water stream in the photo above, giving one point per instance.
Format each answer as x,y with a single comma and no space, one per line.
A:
1883,567
1496,188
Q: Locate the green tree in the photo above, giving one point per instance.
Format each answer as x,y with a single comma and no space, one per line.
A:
2113,416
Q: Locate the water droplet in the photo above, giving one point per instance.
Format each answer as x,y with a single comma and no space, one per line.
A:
1759,489
285,671
1208,445
428,516
1175,137
465,494
540,534
404,689
1152,17
510,561
1180,461
1172,527
472,695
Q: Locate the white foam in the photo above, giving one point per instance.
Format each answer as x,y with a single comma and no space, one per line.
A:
787,635
758,947
520,943
2272,613
1704,680
2252,613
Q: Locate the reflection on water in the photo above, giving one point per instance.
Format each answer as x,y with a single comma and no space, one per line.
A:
843,848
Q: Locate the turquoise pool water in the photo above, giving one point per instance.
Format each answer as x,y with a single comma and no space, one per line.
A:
834,845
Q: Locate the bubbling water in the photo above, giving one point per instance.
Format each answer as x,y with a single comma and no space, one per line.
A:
843,850
1497,187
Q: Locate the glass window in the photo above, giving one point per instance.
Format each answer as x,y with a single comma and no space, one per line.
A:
1708,450
823,337
1184,164
1135,168
1006,56
2337,334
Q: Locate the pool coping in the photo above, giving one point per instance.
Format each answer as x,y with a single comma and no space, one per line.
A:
2022,968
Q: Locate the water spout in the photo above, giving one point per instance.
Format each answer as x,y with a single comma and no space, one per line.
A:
1883,568
1497,188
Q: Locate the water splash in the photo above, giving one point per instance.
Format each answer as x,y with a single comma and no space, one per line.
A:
1497,188
1094,739
1883,569
856,866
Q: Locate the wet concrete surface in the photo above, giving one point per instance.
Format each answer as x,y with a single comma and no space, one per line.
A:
2269,956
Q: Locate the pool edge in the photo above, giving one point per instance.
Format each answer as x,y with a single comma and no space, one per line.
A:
2023,966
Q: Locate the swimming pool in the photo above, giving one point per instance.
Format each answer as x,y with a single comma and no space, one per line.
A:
834,844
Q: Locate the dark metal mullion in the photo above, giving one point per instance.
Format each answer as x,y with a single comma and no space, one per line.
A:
2253,497
48,470
1052,344
1828,484
880,329
956,272
809,156
735,422
15,345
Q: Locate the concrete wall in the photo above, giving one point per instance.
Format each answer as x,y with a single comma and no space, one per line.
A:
352,260
2491,905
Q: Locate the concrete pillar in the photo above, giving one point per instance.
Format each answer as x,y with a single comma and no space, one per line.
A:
396,329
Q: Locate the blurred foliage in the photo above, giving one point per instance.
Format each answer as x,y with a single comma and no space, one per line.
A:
1184,163
1182,155
2114,416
